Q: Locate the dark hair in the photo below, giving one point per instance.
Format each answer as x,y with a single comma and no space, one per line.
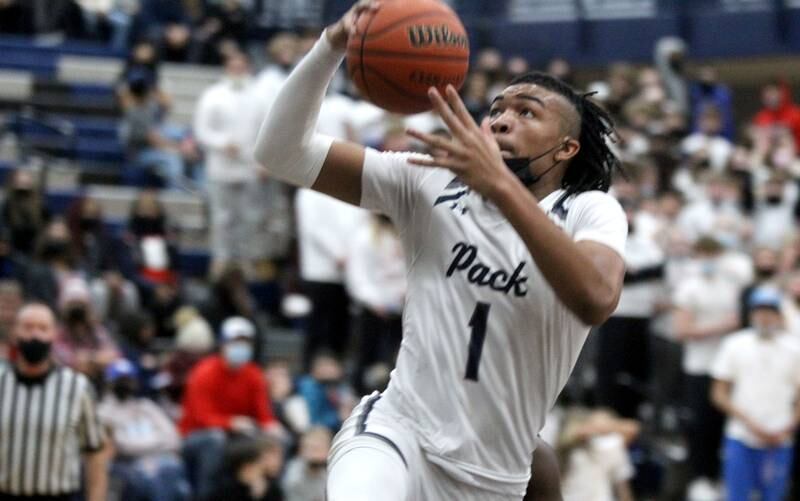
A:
243,450
594,165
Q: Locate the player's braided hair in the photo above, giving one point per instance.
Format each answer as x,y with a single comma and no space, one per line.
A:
594,165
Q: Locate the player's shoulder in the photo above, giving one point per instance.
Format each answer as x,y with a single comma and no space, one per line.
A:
398,161
594,200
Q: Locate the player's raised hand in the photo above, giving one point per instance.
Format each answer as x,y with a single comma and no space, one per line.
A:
340,31
472,153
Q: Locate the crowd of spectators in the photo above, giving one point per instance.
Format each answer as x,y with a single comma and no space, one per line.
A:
194,404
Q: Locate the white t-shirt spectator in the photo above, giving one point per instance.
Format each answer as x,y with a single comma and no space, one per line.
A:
324,229
710,299
765,373
594,470
227,116
376,269
773,225
725,222
718,149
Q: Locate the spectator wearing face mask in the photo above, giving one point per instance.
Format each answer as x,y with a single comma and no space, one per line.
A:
329,398
136,335
778,109
757,385
707,147
707,91
714,211
23,212
306,474
107,263
145,440
765,273
282,52
774,217
224,393
706,309
226,123
142,132
249,471
83,343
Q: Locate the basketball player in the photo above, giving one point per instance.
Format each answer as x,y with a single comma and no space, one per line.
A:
514,249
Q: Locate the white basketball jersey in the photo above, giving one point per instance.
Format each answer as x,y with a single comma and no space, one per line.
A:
487,346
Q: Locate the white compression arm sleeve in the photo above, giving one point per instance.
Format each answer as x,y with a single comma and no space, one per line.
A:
288,145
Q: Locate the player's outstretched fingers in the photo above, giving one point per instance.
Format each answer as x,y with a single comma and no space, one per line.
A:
450,119
458,107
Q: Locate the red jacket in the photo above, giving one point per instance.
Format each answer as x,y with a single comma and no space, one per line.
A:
787,115
215,393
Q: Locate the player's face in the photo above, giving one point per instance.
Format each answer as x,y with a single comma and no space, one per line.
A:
526,119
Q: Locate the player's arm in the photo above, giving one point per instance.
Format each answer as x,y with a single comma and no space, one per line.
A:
288,146
545,482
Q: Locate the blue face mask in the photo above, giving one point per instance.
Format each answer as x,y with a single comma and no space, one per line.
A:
237,353
708,267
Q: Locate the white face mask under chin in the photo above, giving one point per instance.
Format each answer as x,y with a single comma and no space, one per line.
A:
237,82
237,353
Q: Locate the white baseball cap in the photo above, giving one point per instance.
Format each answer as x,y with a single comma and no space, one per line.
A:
237,328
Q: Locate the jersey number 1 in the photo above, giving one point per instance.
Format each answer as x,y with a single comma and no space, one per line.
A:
478,323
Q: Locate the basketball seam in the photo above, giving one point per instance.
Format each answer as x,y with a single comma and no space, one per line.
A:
361,61
393,54
394,86
406,19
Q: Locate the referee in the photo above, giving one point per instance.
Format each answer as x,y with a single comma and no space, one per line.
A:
47,419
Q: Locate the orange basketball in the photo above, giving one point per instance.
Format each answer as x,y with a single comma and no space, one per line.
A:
404,47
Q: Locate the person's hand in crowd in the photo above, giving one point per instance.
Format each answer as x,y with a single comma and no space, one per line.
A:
761,434
104,357
243,424
83,361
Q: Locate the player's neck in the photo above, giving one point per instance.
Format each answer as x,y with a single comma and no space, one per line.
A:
544,187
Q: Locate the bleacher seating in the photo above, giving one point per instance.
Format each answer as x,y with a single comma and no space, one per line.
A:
185,83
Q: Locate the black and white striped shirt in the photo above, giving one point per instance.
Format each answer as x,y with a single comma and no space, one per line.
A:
45,425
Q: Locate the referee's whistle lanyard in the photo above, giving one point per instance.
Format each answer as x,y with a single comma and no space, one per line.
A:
520,166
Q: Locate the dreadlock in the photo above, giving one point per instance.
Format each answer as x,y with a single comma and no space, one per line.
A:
594,165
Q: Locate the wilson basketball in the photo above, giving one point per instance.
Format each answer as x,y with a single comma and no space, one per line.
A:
406,46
